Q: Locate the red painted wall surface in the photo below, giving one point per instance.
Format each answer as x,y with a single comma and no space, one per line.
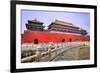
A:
45,37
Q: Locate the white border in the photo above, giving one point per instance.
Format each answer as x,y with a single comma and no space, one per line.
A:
20,65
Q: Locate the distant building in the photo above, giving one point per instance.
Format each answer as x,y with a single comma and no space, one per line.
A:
58,31
34,25
60,26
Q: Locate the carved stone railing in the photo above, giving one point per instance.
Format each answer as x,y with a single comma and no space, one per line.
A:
49,55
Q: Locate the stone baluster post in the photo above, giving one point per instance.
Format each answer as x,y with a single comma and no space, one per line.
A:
38,58
49,54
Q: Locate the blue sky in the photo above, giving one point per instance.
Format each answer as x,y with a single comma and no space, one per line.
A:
79,19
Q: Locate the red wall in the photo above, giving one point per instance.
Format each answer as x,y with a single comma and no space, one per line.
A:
28,37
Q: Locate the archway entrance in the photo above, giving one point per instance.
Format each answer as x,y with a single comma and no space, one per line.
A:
63,40
70,40
36,41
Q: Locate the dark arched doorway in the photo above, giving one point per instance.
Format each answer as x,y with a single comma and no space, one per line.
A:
70,40
36,41
63,40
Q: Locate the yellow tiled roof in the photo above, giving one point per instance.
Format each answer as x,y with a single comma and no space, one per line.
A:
64,23
35,20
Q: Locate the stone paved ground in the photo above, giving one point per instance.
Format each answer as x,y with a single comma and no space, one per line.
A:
75,54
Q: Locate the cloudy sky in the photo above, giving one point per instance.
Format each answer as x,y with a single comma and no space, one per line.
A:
79,19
